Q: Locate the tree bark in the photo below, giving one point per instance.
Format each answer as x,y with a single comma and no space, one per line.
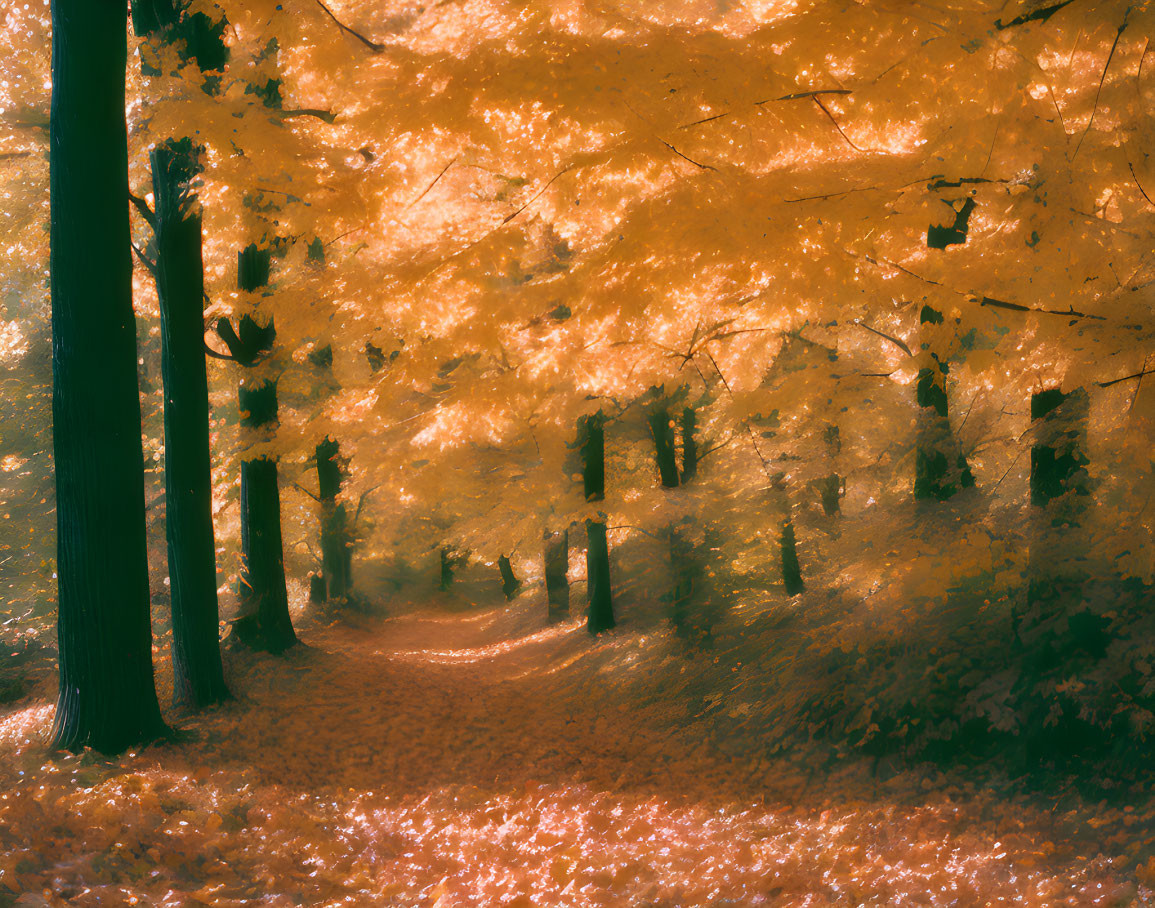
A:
509,582
662,431
591,431
198,678
940,467
336,561
107,696
264,595
689,444
556,574
791,570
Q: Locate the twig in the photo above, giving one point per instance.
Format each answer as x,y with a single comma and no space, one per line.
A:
1102,78
444,170
297,485
685,157
894,340
325,115
538,196
372,45
1139,375
823,108
145,212
144,259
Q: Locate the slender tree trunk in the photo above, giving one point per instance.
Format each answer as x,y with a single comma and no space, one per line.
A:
593,448
940,467
662,431
689,444
107,696
509,582
335,553
1059,494
557,574
791,570
198,679
447,565
264,595
263,581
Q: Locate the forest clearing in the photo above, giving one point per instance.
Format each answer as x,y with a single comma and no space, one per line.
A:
456,759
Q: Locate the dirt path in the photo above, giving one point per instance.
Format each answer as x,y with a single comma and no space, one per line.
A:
485,759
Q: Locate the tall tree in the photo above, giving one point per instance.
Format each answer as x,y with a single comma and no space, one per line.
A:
265,602
940,466
556,573
592,434
198,679
107,696
336,555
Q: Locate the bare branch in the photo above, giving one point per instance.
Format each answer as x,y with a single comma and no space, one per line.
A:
372,45
894,340
145,212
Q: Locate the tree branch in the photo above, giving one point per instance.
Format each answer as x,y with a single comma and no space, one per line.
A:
144,260
372,45
894,340
145,212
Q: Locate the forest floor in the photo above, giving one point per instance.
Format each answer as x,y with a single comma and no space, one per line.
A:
477,756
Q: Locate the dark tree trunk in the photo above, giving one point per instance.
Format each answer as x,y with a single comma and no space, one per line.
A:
690,623
107,694
448,562
263,579
557,574
336,556
316,589
1060,492
662,430
689,444
791,570
509,583
198,679
601,615
264,597
940,467
591,430
1057,459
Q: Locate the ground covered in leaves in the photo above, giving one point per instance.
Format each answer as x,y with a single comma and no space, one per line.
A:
477,756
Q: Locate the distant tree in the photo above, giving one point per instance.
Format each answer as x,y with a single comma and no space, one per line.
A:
592,434
336,553
265,623
107,694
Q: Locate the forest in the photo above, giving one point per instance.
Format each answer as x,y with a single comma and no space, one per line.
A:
577,453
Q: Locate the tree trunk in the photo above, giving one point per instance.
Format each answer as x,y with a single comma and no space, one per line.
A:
509,583
447,565
1059,495
557,574
689,444
662,431
591,430
940,467
791,570
335,553
263,579
107,696
601,615
198,679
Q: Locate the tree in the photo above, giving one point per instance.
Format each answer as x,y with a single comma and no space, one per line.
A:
265,602
592,433
107,695
336,551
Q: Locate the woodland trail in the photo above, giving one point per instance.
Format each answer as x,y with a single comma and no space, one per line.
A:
483,758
